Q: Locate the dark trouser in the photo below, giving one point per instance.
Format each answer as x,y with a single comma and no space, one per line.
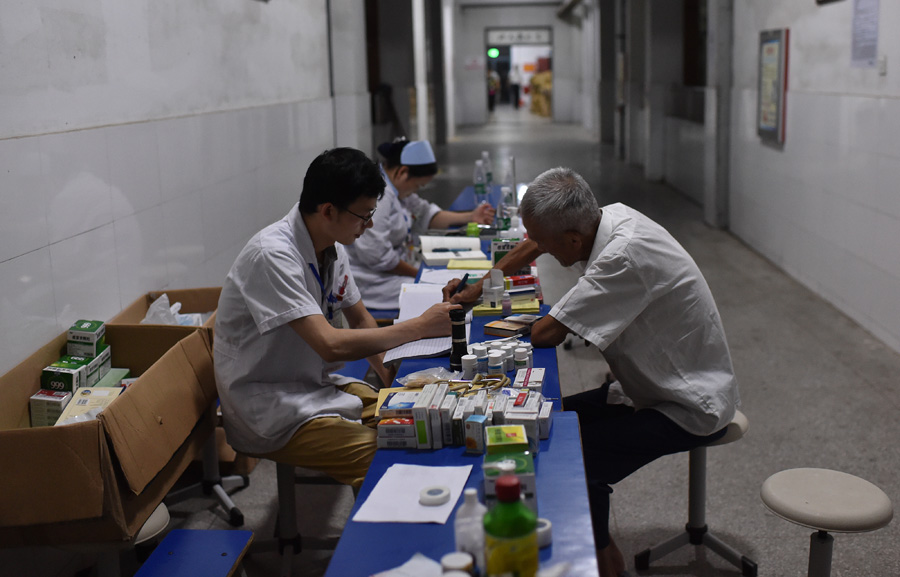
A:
616,441
514,95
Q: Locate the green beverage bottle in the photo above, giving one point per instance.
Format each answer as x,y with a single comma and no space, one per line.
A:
510,533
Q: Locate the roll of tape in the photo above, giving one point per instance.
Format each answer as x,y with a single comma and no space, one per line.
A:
544,532
434,496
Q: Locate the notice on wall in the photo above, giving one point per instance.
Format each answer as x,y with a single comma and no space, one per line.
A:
865,33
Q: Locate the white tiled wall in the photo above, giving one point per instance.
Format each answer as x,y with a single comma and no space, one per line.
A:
826,207
92,219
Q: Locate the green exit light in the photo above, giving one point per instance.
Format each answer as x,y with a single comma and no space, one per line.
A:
493,52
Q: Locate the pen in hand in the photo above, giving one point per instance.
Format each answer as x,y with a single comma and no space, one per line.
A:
461,285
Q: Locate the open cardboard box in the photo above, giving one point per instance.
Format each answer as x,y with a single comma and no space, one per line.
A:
195,300
99,481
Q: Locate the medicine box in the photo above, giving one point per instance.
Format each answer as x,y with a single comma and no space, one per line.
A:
531,379
504,439
396,427
475,434
532,432
545,419
396,442
64,376
47,406
434,416
85,337
114,378
524,470
448,407
97,366
399,404
89,399
420,415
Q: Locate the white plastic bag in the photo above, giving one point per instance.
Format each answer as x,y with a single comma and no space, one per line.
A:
161,312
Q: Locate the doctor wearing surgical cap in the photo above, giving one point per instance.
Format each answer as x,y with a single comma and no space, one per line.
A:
384,258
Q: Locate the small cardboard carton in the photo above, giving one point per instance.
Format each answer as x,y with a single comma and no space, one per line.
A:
195,300
120,465
84,338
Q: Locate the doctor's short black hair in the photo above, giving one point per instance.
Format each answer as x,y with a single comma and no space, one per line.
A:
340,176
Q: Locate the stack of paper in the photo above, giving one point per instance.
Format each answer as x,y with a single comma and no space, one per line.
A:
415,299
439,250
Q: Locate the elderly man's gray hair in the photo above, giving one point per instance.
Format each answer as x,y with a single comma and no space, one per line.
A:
561,200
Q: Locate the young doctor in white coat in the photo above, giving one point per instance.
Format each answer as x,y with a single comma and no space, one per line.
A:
384,258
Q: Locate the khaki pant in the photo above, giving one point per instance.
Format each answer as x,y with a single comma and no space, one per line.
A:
341,449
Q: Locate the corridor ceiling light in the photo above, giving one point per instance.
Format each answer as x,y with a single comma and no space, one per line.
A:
493,52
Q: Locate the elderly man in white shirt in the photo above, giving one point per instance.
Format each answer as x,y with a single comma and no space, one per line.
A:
278,340
644,303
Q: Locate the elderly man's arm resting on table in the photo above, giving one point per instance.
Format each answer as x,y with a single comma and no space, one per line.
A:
365,339
524,253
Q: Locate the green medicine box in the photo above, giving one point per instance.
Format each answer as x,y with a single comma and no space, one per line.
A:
85,338
64,376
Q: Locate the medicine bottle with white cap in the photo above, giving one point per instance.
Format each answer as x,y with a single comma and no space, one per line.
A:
468,527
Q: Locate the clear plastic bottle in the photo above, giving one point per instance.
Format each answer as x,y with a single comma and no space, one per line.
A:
510,533
488,169
479,181
468,527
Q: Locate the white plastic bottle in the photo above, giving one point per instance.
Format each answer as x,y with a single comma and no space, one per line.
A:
478,180
468,528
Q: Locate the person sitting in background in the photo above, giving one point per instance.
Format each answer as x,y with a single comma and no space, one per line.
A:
643,302
385,257
279,339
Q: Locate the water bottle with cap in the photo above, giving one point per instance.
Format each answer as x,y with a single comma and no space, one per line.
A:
510,533
468,527
488,169
479,181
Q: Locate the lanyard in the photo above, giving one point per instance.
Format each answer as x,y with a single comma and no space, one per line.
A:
330,299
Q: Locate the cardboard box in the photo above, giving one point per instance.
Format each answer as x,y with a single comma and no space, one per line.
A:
121,465
195,300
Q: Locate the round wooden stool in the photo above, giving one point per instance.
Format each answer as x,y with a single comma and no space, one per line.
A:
829,502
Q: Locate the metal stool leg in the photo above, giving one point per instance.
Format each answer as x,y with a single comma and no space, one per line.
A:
696,531
213,485
820,548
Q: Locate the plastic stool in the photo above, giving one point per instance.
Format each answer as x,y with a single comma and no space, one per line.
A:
191,552
829,502
696,532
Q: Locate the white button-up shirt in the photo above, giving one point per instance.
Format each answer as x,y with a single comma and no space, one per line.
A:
644,303
270,380
395,229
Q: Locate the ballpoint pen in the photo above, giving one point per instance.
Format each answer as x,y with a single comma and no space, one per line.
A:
446,249
461,285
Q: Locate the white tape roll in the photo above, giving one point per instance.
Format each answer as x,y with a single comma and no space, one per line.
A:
434,496
544,532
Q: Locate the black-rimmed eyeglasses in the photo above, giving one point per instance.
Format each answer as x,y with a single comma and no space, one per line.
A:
366,218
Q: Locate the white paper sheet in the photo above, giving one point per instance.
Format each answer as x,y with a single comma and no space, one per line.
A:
416,298
441,276
395,499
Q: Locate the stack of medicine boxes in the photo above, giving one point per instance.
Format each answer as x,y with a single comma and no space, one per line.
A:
86,363
434,417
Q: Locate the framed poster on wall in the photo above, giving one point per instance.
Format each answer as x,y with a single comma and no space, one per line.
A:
773,75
